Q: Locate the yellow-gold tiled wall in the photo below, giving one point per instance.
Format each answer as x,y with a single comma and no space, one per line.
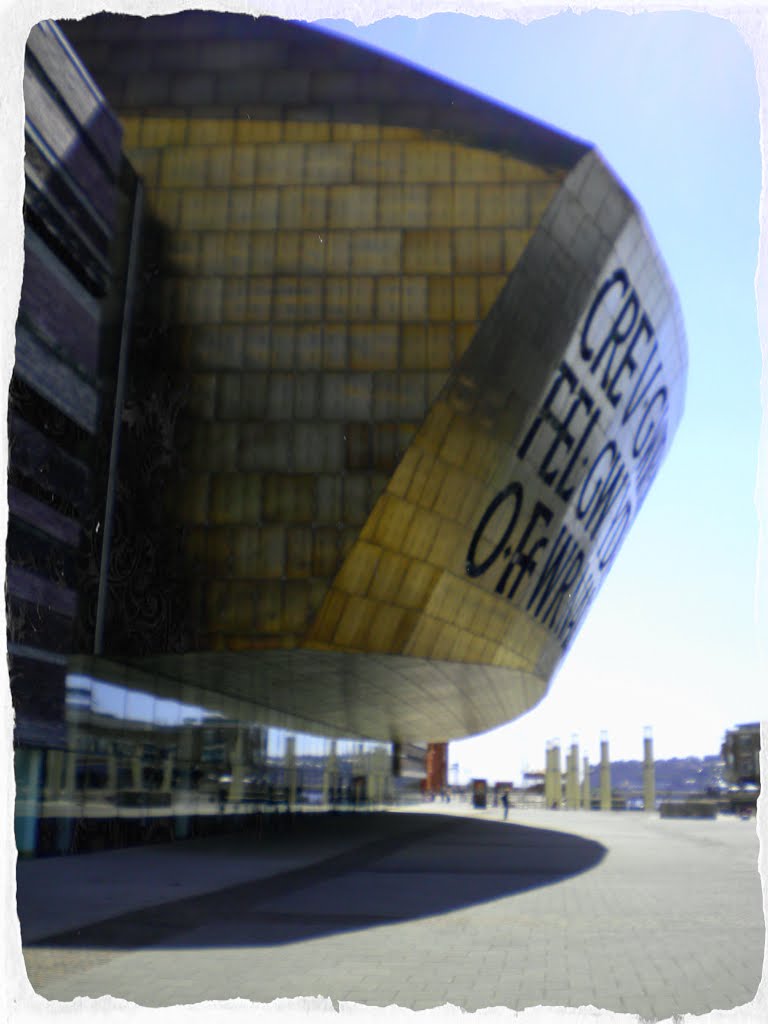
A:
323,285
403,588
325,266
441,567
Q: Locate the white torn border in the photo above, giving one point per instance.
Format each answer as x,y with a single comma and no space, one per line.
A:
18,1003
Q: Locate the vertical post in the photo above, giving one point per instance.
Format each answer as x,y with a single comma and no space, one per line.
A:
112,773
69,798
28,766
326,783
568,778
290,770
573,776
54,760
382,760
185,755
557,776
237,767
586,789
332,770
368,778
373,779
167,783
70,777
649,772
120,387
605,774
137,766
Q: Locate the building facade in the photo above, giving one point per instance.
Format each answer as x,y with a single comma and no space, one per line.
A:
741,754
402,368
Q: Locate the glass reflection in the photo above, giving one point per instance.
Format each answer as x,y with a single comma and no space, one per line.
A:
136,766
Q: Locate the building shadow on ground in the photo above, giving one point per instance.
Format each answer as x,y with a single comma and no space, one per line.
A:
418,865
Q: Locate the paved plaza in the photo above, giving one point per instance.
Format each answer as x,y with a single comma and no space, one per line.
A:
437,904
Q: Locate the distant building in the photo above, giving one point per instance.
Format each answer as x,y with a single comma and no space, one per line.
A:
534,781
741,754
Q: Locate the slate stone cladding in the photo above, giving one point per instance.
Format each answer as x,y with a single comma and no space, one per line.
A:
77,200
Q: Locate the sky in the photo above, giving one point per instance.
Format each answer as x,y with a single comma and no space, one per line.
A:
671,101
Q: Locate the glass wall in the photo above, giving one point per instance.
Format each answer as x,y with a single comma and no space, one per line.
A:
134,766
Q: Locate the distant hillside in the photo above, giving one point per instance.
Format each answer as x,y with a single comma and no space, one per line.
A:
677,773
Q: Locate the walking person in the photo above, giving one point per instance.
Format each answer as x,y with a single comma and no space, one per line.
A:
505,803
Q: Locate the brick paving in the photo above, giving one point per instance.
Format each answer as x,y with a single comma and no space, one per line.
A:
435,905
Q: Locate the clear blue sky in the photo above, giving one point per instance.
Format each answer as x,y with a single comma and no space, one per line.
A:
671,101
